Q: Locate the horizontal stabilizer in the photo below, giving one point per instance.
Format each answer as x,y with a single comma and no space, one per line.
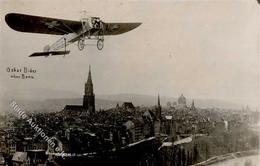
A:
49,53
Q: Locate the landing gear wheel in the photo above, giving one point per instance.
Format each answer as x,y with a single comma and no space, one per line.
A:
100,44
81,44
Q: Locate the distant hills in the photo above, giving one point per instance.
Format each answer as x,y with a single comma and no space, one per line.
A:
109,101
148,100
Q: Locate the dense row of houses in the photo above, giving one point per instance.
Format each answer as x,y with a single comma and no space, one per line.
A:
114,128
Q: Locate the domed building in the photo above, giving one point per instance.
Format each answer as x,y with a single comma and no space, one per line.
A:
182,101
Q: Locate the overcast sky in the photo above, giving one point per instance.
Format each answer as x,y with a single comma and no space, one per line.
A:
201,48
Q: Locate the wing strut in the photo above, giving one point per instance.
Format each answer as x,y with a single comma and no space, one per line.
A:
68,27
62,30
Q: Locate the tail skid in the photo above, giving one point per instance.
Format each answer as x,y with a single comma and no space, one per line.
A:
50,53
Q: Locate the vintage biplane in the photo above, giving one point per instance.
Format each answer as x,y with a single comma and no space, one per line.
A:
88,28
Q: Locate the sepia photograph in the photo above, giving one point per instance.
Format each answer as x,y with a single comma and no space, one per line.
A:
129,82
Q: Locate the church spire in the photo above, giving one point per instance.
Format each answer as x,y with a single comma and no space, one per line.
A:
89,84
159,102
89,97
89,76
193,105
158,109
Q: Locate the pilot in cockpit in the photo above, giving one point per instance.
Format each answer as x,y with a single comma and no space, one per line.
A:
96,23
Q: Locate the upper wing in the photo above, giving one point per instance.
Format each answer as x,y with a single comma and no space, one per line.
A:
119,28
53,26
37,24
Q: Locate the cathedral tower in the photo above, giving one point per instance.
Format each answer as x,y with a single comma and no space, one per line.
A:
89,96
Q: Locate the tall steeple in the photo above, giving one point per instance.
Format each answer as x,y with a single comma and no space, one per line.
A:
193,106
158,118
89,96
89,84
89,76
159,102
158,108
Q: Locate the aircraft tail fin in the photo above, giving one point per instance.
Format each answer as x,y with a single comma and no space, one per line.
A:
52,53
